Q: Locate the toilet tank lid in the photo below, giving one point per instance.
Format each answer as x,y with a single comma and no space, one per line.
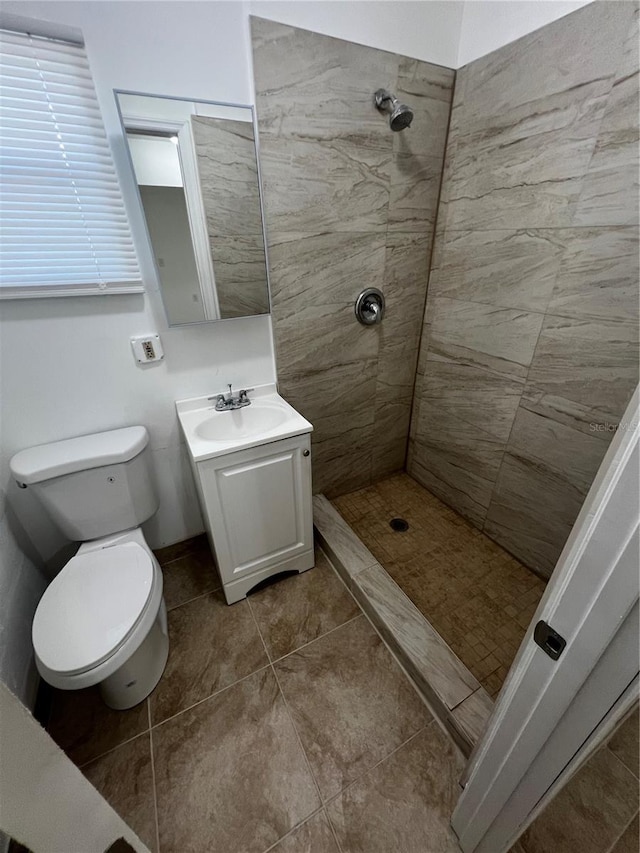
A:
37,464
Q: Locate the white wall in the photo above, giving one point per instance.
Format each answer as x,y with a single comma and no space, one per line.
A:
45,801
427,30
490,24
155,161
21,585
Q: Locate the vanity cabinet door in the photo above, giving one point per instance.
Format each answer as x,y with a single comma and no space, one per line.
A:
258,503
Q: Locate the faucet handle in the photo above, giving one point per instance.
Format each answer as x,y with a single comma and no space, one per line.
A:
244,393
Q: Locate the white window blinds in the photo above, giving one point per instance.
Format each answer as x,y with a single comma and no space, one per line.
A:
63,224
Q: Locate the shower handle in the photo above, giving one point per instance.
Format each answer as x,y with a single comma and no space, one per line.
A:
369,307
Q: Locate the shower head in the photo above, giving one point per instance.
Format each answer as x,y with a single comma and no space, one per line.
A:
400,115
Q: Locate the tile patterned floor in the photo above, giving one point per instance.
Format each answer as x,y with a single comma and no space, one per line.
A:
477,596
597,810
281,724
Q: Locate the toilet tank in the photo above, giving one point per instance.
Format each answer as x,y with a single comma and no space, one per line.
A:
93,485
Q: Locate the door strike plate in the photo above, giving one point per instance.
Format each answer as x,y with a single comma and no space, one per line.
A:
549,640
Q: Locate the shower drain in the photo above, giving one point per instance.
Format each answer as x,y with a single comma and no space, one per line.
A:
399,525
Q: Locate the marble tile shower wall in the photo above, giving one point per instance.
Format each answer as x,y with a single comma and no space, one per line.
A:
349,205
530,341
228,172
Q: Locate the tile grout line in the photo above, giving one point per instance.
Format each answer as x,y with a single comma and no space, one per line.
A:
333,830
626,827
288,710
473,693
175,559
378,763
315,639
296,733
210,696
244,677
294,828
617,757
395,660
300,744
361,613
111,749
440,205
195,598
152,725
153,778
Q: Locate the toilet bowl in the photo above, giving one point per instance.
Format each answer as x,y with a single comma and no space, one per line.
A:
102,620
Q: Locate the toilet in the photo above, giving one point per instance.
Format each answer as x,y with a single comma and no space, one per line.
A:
102,620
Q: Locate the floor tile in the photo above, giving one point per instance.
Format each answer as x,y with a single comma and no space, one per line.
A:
211,645
85,727
590,813
314,836
230,774
405,803
124,777
300,608
350,702
625,743
629,841
188,577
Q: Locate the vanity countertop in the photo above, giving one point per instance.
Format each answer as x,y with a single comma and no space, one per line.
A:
209,433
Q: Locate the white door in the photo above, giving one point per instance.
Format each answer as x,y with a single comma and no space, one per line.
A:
549,707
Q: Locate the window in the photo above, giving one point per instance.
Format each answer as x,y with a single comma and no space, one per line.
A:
63,225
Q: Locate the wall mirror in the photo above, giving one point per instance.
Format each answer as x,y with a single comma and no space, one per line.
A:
196,167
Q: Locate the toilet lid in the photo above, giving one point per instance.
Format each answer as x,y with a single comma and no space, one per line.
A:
91,607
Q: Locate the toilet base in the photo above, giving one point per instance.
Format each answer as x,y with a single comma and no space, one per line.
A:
137,677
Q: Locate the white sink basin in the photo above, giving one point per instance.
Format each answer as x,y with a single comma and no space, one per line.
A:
260,417
209,433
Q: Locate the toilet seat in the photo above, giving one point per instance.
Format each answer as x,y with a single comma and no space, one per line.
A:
92,607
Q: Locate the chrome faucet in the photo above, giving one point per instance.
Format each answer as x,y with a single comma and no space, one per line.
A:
229,403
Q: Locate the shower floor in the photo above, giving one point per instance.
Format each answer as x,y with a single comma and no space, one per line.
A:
478,597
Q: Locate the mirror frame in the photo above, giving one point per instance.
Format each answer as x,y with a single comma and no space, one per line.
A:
205,267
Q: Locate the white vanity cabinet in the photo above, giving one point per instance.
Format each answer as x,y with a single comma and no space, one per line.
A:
258,511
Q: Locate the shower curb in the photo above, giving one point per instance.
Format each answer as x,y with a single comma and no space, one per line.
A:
450,690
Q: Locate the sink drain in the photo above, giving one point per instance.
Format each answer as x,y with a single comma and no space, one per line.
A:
399,525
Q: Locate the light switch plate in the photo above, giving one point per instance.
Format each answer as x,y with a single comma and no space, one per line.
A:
147,349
